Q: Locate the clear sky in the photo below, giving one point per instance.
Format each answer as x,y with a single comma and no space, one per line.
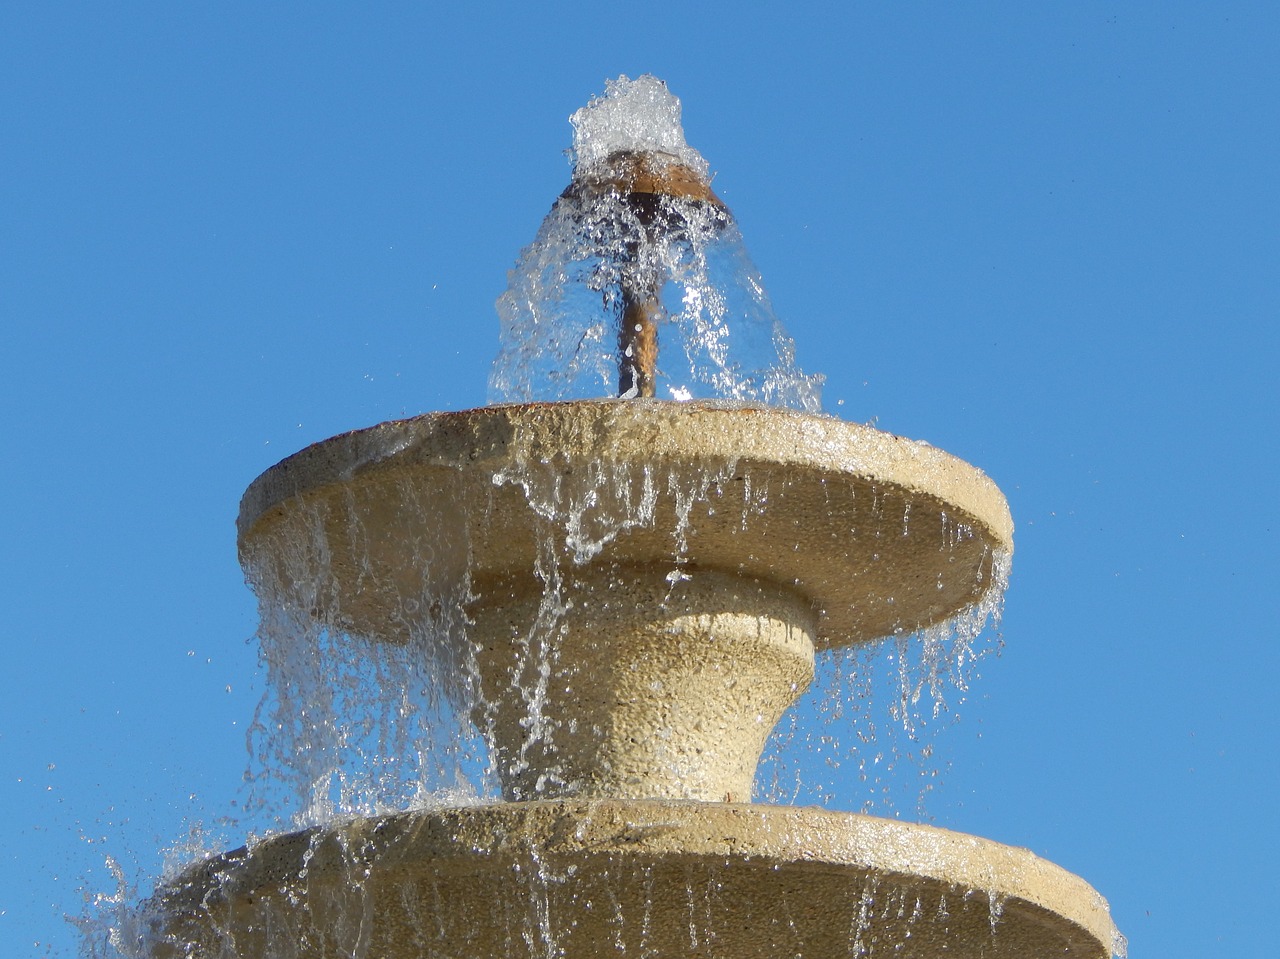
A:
1040,236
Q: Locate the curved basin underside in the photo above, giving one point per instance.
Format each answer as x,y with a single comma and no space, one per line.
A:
645,878
880,534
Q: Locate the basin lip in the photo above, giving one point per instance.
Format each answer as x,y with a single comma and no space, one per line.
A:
491,836
819,440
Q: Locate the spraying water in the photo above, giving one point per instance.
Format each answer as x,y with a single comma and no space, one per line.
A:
638,282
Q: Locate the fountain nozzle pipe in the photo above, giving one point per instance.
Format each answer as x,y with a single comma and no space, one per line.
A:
638,338
654,186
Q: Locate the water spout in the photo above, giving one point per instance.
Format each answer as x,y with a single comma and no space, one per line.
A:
639,278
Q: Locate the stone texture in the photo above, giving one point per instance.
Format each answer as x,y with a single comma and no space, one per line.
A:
654,689
671,879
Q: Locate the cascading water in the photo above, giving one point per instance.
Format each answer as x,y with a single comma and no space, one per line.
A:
523,660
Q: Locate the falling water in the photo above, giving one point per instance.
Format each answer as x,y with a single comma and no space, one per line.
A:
883,727
354,725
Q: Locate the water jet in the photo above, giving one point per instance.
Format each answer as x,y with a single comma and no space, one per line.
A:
623,595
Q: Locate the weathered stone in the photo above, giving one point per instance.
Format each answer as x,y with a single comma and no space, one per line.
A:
650,878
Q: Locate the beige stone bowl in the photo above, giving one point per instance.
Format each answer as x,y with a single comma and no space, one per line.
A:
878,533
581,880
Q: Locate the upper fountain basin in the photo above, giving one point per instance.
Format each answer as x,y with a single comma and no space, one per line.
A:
882,535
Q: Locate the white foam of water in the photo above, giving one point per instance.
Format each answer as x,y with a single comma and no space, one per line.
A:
638,116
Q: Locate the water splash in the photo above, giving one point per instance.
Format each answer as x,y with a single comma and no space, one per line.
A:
717,335
638,115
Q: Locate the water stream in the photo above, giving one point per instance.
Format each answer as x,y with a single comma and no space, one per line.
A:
356,726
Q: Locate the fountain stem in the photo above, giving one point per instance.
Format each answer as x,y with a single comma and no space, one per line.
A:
638,334
657,689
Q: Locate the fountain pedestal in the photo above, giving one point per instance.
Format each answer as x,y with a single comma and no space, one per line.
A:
657,686
644,586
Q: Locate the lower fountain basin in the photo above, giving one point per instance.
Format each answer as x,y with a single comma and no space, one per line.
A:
639,877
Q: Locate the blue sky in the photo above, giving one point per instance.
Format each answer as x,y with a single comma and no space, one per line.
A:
1040,236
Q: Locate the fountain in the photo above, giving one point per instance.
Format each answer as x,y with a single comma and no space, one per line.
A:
622,595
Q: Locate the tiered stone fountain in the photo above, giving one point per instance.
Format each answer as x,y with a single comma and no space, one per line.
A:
669,649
